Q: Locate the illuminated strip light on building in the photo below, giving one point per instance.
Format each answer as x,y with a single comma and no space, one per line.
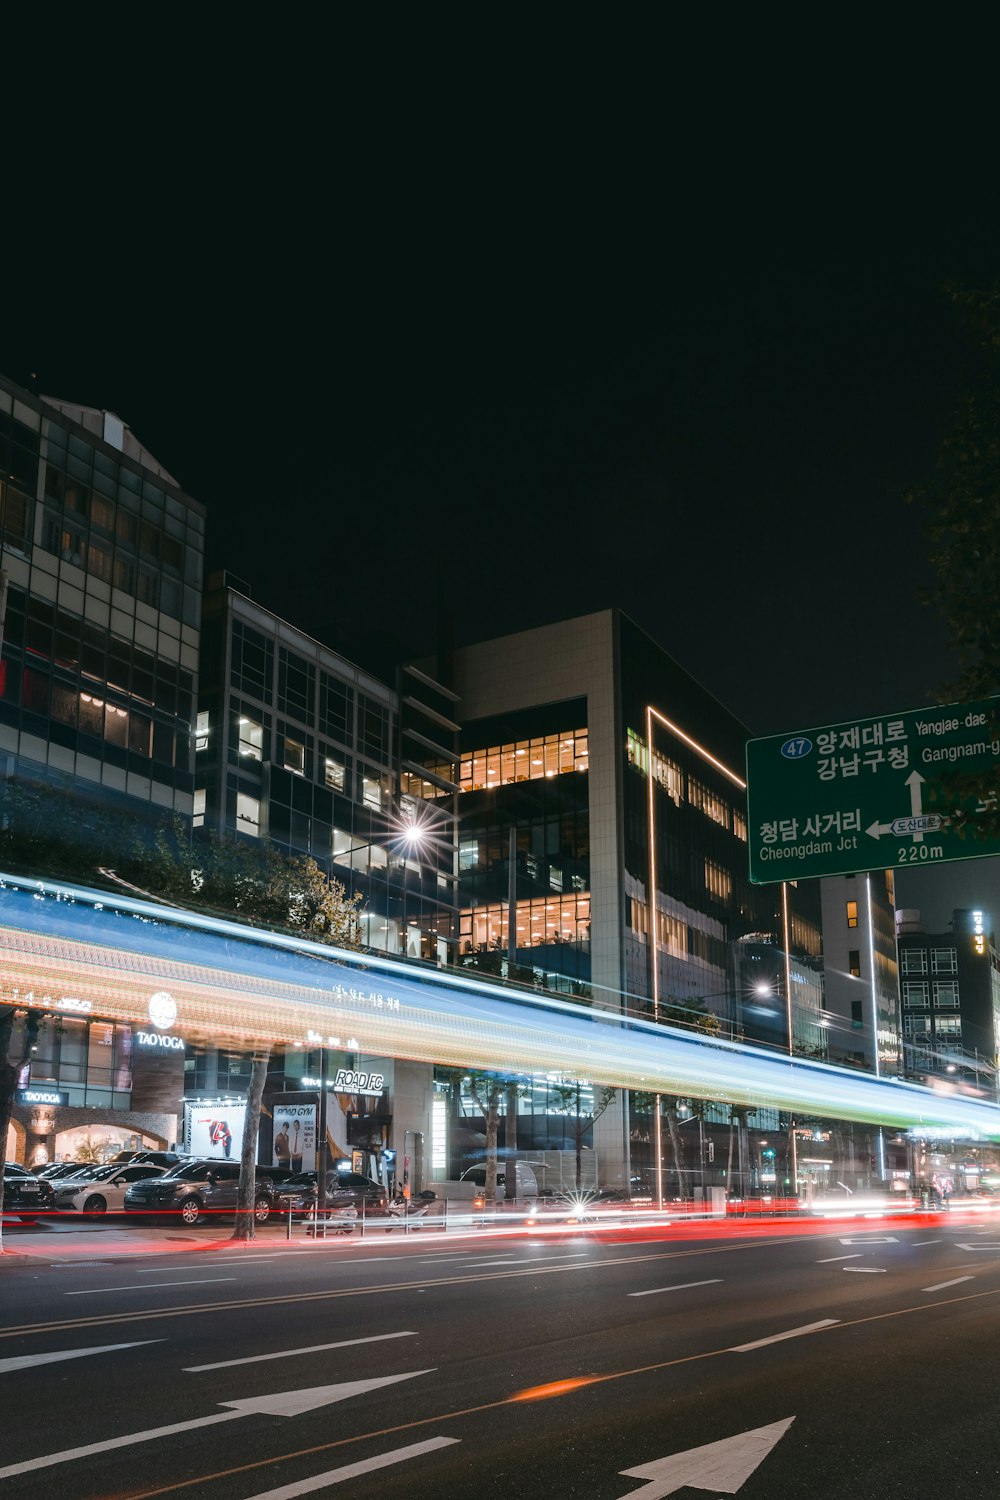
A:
426,1017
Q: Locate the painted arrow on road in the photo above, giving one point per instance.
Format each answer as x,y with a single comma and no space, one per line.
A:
280,1404
724,1466
29,1361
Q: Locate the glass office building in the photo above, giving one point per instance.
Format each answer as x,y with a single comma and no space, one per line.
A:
102,558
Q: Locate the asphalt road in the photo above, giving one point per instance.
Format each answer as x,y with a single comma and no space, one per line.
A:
831,1360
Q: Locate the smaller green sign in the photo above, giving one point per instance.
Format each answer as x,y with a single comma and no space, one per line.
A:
863,795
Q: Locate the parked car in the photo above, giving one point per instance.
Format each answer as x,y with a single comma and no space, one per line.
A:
100,1190
343,1190
59,1169
23,1193
197,1188
150,1158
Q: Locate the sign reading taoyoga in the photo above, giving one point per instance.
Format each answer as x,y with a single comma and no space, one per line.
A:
41,1095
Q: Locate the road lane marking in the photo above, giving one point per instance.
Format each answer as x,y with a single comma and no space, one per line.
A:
940,1285
354,1471
776,1338
557,1255
867,1270
278,1404
28,1361
147,1286
256,1359
374,1435
286,1299
503,1260
682,1286
243,1260
725,1465
886,1239
915,1243
829,1259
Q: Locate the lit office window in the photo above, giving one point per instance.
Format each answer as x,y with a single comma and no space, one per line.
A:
852,914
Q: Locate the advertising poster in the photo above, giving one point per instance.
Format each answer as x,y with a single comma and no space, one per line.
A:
215,1129
295,1137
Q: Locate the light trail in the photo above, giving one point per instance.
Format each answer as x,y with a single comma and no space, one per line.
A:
80,952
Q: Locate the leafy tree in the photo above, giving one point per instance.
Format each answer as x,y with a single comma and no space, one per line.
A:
566,1094
961,506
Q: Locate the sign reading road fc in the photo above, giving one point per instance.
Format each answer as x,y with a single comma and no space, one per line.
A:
866,795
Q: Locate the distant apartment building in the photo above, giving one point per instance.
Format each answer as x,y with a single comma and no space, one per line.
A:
950,993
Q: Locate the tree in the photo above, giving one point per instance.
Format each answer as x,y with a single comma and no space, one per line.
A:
18,1035
961,506
567,1097
321,908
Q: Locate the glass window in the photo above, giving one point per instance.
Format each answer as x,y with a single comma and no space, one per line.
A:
854,962
950,1026
914,960
252,662
944,961
336,708
295,756
334,773
915,993
248,814
373,728
946,994
296,683
371,791
852,914
251,740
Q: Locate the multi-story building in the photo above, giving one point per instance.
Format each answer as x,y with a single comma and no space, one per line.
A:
861,976
603,845
102,570
300,748
950,991
100,613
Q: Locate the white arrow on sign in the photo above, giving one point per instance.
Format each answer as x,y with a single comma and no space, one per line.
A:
281,1404
724,1466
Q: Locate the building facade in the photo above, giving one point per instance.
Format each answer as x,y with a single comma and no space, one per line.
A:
861,972
602,852
950,994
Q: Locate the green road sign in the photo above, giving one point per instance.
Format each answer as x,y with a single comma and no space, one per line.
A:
862,795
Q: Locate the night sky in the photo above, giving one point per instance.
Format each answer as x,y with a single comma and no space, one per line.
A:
468,360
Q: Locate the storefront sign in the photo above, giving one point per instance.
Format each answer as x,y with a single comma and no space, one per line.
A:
349,1082
159,1040
162,1010
42,1096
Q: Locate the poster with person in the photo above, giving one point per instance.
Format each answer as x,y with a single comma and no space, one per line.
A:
295,1137
215,1129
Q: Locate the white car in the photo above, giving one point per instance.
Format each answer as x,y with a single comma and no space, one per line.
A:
100,1190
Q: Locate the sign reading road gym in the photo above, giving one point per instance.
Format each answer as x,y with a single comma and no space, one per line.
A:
863,795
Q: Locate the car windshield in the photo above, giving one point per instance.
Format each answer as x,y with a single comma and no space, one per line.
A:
188,1171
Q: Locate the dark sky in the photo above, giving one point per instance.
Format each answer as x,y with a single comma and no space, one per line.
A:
506,326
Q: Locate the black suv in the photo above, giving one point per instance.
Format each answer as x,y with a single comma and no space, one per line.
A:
343,1190
24,1192
196,1189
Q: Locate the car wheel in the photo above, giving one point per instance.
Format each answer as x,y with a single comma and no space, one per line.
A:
95,1205
262,1210
191,1210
